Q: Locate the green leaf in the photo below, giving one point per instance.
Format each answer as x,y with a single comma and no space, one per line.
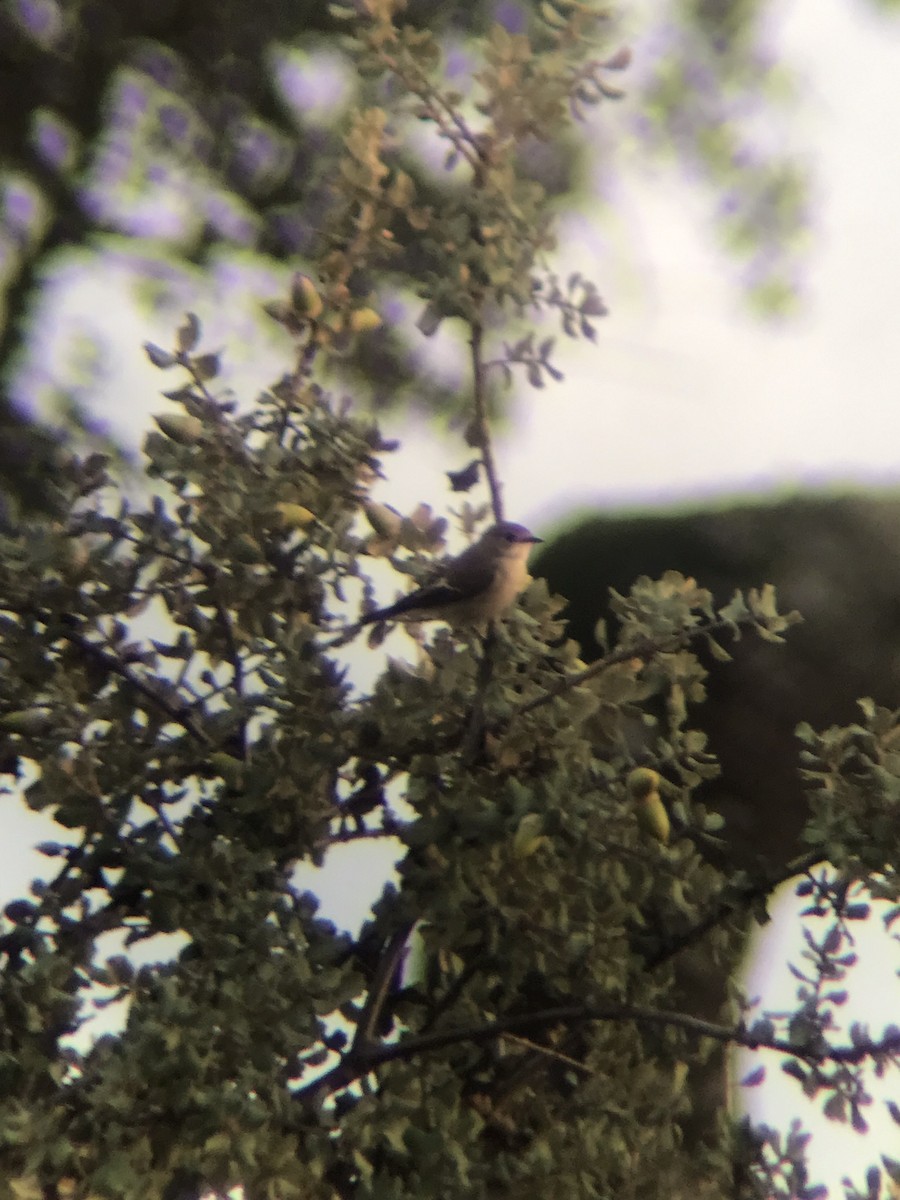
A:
159,357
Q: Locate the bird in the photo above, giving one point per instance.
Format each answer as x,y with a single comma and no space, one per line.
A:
475,588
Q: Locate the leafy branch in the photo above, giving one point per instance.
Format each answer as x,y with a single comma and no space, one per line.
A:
758,613
363,1057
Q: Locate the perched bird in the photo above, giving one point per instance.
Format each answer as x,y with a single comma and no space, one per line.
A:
473,589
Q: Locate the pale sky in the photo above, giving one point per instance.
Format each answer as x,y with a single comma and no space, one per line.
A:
685,393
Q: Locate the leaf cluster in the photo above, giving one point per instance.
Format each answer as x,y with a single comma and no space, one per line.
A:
508,1019
170,698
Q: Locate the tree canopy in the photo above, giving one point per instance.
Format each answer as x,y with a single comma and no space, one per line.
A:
512,1017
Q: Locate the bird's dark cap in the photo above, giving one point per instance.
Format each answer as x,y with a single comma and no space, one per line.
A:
514,533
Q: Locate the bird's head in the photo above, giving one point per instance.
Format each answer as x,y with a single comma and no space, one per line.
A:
508,538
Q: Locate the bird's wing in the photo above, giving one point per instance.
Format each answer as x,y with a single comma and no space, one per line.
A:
436,595
471,573
462,580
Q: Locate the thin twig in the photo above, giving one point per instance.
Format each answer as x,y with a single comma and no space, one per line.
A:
731,901
483,433
180,715
359,835
384,978
455,990
645,648
548,1052
449,123
163,818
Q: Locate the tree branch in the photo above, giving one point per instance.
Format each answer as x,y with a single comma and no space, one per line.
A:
569,1014
384,977
472,742
482,429
731,900
646,648
175,712
547,1052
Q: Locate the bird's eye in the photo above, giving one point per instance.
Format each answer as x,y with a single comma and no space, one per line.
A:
510,537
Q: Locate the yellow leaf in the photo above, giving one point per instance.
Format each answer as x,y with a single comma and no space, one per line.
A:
294,516
363,320
653,818
529,836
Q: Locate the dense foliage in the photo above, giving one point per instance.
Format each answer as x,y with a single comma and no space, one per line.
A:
173,690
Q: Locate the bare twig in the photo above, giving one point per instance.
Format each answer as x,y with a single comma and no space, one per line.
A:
482,429
384,978
548,1052
449,123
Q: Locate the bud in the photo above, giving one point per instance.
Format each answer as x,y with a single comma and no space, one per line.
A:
386,521
643,787
180,427
305,297
27,721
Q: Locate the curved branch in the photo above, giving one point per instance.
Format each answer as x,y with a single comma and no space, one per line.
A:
365,1061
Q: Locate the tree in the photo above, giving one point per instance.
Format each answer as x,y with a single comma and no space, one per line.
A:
510,1019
